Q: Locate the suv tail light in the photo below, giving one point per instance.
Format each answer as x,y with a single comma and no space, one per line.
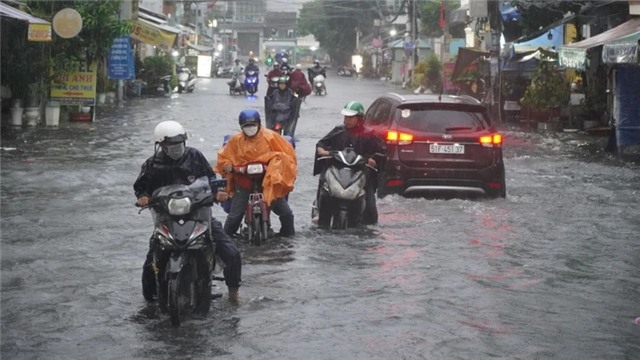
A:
494,140
400,138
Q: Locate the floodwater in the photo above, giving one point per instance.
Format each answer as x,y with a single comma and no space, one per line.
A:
550,272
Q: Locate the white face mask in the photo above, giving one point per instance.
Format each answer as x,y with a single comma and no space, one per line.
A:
250,130
174,151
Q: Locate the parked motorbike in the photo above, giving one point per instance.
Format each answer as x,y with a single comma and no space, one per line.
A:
346,72
224,72
186,80
341,198
184,259
251,82
164,87
318,85
236,85
257,214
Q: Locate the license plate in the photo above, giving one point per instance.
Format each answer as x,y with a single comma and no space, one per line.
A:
446,149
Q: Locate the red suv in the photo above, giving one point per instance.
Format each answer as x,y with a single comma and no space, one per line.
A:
437,144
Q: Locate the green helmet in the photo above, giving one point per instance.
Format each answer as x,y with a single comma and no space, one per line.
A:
283,80
353,108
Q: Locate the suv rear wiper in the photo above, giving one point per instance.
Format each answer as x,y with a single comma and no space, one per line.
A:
458,128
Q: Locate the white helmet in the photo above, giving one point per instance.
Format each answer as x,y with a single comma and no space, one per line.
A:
170,131
284,60
298,66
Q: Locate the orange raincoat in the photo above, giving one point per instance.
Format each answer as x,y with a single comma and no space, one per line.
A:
265,147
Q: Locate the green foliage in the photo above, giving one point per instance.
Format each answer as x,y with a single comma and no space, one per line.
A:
430,18
429,74
334,23
156,67
548,89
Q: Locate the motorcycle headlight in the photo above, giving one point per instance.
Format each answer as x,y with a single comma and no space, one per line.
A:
179,206
318,84
255,169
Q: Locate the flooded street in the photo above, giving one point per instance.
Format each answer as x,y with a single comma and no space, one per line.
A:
550,272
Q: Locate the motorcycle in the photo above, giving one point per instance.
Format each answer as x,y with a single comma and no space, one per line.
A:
318,85
257,214
341,198
184,260
346,72
251,82
236,85
224,72
186,80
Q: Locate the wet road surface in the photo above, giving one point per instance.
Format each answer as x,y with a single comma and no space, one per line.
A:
550,272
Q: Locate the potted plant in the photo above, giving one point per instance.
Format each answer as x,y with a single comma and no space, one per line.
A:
546,93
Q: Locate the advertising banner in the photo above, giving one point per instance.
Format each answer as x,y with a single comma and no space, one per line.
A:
152,35
39,32
76,88
120,60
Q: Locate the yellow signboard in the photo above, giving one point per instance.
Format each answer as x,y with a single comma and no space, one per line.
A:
39,32
152,35
76,88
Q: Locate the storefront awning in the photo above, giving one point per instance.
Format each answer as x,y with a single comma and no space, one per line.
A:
11,12
200,47
153,34
575,55
39,30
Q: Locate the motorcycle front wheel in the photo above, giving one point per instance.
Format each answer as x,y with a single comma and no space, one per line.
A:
258,235
182,294
340,220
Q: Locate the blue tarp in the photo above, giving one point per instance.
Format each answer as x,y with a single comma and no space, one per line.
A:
627,105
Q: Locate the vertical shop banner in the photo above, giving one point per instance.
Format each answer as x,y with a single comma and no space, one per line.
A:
76,88
120,60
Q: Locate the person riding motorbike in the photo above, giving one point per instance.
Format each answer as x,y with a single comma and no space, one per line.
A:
316,70
251,66
237,72
354,134
284,66
282,107
175,163
258,144
298,82
273,73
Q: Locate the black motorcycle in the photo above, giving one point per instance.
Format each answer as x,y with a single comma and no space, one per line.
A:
184,260
341,198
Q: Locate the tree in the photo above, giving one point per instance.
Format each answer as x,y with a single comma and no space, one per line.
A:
334,24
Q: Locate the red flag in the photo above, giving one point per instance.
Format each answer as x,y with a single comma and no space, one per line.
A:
442,21
211,4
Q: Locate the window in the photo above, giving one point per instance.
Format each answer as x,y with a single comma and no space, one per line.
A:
441,120
379,114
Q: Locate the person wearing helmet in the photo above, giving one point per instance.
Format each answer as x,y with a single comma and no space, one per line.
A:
298,82
284,66
258,144
274,73
252,66
282,107
316,70
353,133
175,163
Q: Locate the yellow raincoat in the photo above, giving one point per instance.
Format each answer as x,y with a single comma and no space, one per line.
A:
265,147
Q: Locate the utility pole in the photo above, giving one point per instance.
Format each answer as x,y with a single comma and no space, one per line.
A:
494,60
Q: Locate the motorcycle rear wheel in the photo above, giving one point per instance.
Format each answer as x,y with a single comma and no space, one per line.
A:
182,295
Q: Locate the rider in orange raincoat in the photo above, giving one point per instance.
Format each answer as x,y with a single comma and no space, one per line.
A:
258,144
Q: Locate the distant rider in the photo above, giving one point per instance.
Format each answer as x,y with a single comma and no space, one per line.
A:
261,145
284,66
252,66
363,140
317,70
282,108
298,82
237,71
274,73
174,163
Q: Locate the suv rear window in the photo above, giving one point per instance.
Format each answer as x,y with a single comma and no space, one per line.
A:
441,120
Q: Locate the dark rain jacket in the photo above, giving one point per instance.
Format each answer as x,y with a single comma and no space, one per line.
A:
282,105
361,138
161,170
